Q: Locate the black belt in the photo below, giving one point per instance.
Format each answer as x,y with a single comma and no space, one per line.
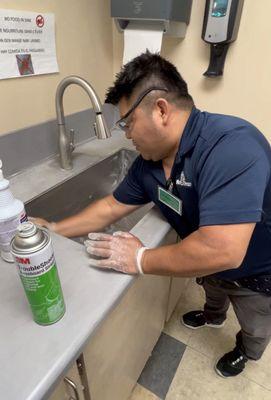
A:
256,283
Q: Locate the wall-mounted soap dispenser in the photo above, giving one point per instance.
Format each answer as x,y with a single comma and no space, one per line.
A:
220,28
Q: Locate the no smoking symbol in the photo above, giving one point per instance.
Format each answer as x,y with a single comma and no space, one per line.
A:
40,21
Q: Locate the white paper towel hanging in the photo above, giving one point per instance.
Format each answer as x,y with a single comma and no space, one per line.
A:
140,36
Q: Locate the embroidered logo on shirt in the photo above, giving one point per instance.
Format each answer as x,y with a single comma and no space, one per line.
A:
182,181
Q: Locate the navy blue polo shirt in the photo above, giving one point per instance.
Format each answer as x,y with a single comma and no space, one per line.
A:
221,173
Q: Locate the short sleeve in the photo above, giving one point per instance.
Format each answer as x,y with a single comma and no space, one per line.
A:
232,182
131,189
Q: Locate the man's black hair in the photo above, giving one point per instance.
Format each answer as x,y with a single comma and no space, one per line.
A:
145,71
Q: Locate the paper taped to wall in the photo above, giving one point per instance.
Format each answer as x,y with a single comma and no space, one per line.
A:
27,44
139,36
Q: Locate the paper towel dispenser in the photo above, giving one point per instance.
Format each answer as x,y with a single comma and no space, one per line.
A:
172,15
220,28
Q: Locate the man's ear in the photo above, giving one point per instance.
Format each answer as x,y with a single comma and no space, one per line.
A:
162,107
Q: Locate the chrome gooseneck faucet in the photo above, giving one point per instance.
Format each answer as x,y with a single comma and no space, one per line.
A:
65,140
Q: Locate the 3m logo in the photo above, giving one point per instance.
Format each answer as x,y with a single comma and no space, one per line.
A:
23,260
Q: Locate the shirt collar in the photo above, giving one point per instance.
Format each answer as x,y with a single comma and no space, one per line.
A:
190,133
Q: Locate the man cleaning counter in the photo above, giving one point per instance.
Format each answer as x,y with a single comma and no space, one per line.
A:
36,357
210,176
140,191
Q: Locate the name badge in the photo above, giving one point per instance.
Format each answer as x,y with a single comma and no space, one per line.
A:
170,200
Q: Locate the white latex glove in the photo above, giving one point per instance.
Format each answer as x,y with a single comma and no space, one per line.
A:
119,251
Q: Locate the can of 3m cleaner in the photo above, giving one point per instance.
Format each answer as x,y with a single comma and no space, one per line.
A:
33,253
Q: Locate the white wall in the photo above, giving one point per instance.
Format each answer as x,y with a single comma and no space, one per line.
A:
84,47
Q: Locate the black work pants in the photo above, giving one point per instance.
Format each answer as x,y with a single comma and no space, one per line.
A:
252,309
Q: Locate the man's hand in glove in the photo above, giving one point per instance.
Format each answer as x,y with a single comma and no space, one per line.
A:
121,251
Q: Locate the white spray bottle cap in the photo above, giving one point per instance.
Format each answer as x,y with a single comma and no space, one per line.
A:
1,172
4,183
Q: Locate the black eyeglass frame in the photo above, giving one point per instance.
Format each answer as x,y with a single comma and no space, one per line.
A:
137,102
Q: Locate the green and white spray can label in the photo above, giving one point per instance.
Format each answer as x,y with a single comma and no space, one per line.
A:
33,252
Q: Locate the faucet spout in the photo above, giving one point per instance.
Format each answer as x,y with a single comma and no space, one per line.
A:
100,126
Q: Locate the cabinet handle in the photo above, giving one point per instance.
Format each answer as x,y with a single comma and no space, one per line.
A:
74,388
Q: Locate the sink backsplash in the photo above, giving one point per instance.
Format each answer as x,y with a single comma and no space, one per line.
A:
23,148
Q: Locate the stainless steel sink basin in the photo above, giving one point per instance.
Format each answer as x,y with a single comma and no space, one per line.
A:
76,193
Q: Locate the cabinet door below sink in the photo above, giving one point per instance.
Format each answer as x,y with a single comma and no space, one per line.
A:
116,355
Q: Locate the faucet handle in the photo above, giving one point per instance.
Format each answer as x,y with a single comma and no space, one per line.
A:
72,147
95,129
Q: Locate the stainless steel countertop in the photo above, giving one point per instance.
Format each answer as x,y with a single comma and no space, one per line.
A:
33,358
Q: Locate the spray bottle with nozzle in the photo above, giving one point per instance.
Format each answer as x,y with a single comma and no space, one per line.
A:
12,213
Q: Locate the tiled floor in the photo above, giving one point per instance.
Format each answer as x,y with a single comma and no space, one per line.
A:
194,377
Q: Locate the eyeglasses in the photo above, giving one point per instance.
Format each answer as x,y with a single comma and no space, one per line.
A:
122,123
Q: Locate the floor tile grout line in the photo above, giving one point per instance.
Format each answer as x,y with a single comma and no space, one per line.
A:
243,376
158,398
200,352
189,332
174,337
259,384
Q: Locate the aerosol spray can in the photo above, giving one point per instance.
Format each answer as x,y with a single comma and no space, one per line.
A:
12,213
33,253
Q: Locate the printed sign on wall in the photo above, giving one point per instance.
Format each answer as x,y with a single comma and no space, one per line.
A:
27,44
